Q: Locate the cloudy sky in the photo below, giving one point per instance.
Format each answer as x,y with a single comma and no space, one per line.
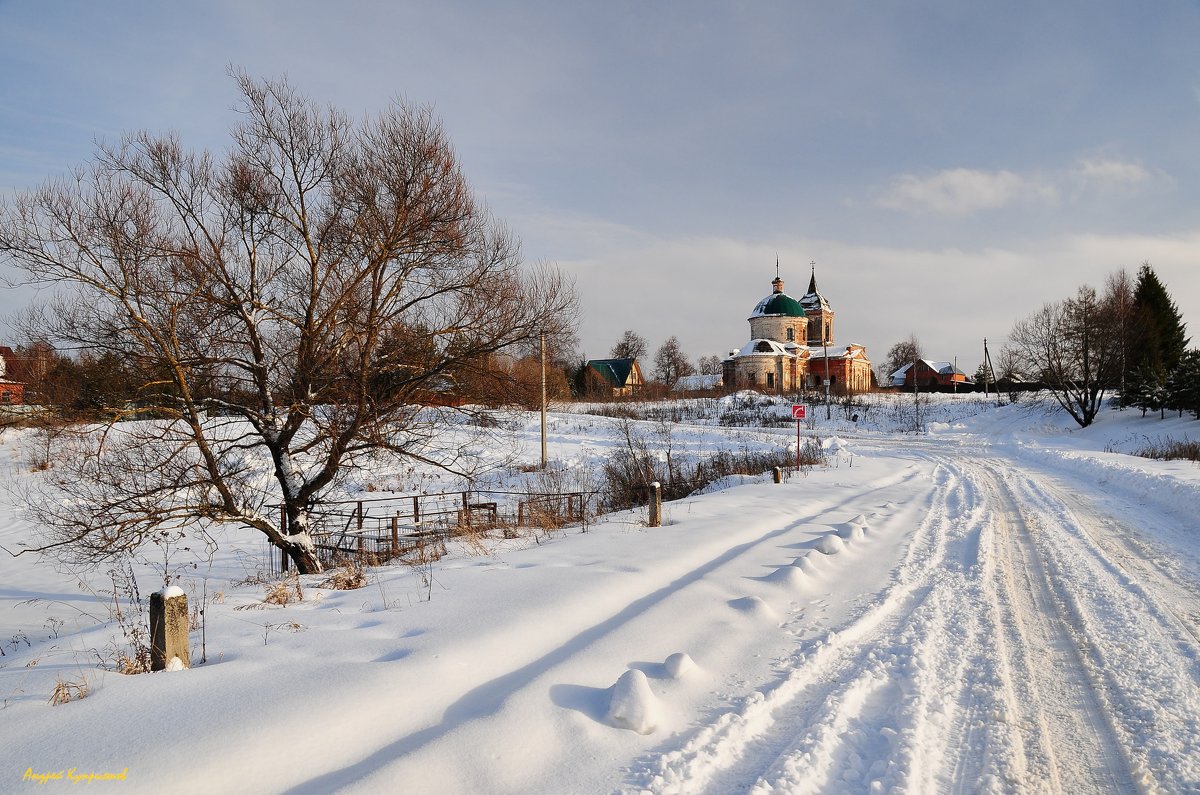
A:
948,166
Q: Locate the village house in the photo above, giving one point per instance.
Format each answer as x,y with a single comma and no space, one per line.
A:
12,393
930,375
792,347
622,376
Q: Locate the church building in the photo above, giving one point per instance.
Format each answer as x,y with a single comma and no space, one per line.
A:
791,347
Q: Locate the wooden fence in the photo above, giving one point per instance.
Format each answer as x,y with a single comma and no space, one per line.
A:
381,528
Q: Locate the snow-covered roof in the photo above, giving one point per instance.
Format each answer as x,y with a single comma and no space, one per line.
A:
813,301
765,347
941,368
778,305
697,383
846,352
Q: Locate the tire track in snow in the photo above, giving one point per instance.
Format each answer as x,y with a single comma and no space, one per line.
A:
798,724
1064,742
1142,657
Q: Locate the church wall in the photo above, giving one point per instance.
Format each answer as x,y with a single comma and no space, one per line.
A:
767,373
775,328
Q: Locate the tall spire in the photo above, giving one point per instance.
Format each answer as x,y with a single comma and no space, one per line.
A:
812,283
776,264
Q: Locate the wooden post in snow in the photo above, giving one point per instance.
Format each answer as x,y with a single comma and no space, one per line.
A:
655,504
169,630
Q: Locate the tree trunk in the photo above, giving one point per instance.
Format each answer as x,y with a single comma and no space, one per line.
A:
304,557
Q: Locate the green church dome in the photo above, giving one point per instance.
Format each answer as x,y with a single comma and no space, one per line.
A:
778,304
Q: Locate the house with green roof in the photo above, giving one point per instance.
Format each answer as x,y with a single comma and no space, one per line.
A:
622,376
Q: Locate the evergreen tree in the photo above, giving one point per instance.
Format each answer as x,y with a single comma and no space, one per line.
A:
1183,386
1160,337
1147,386
983,376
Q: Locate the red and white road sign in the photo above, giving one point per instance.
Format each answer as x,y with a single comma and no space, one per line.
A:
798,411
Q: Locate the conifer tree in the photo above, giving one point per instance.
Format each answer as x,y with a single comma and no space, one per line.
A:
1183,385
1160,335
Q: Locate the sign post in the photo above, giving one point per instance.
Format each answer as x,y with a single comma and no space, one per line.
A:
798,412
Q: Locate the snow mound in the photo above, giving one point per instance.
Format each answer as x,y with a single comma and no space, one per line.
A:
678,665
786,575
805,564
830,545
176,664
850,531
631,705
752,605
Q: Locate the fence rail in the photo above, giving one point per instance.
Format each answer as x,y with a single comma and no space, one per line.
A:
382,528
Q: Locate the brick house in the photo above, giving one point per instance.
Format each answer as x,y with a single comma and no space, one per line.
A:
12,393
930,375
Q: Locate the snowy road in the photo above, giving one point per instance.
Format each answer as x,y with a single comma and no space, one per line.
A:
1027,643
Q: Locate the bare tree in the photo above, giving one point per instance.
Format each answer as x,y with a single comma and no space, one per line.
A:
1119,292
905,352
1072,347
710,365
671,363
292,304
631,345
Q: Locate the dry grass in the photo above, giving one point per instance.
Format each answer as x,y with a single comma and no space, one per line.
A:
136,663
66,690
1172,450
284,591
349,575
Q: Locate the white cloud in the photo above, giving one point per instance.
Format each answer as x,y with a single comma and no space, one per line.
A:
963,191
1112,171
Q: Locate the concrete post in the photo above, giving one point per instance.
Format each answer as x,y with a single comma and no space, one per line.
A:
168,628
655,504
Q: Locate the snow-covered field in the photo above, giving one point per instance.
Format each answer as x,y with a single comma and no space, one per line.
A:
1002,602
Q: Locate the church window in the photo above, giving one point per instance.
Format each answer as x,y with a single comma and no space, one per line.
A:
791,334
770,380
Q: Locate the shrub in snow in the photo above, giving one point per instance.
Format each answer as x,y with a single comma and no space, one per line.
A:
830,545
631,705
850,531
805,564
678,664
786,575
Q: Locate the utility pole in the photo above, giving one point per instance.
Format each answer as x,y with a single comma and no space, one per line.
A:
916,392
986,393
542,348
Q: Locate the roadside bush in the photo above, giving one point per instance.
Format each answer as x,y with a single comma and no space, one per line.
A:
629,472
1172,450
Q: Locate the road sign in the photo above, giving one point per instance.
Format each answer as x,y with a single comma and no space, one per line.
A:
798,411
